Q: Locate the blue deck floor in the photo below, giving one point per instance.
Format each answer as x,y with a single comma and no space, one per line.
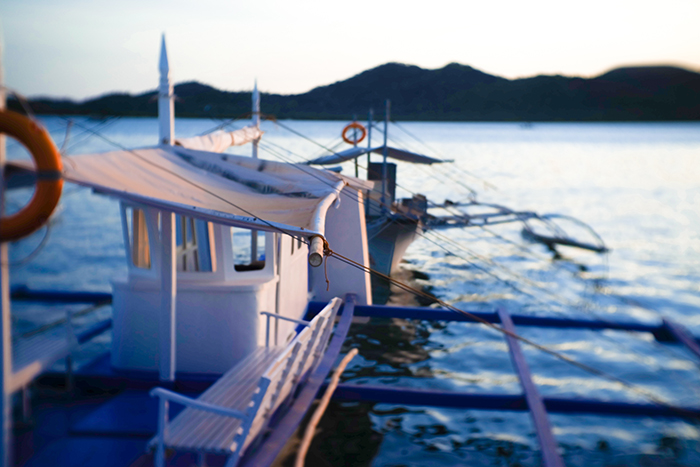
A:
102,431
89,452
131,413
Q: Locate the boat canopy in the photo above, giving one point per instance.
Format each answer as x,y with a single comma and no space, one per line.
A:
219,141
227,189
393,153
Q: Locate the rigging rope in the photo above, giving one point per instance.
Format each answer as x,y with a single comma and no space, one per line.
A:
328,252
565,358
586,306
507,283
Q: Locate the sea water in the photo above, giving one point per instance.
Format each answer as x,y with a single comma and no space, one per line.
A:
637,185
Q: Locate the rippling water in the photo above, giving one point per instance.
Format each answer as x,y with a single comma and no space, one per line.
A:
637,185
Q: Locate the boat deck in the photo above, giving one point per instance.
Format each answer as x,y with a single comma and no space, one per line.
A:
109,417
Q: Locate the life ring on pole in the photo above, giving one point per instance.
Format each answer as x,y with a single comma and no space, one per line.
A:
48,176
354,126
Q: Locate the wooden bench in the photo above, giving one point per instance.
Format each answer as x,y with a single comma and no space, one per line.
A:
229,415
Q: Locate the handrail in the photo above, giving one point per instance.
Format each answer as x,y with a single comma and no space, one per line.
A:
284,318
184,400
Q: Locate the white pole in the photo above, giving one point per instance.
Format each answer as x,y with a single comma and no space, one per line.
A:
166,99
386,150
370,122
5,322
168,291
256,117
256,122
168,273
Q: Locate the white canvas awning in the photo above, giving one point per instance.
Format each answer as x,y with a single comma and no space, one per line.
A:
219,141
232,190
393,153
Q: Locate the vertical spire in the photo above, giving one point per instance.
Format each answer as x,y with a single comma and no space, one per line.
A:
166,97
256,116
163,63
256,104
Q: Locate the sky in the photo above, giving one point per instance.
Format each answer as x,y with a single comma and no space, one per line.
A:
85,48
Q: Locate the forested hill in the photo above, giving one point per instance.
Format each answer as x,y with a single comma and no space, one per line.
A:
455,92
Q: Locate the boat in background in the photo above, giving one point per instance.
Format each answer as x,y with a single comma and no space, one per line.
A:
394,224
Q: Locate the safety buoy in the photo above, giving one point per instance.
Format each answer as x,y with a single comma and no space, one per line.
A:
354,126
48,176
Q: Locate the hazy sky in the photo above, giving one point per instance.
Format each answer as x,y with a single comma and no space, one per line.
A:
83,48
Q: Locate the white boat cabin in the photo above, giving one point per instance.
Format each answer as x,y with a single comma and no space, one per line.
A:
212,240
221,289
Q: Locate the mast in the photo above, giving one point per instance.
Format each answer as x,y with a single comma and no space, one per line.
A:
384,154
370,119
5,322
256,122
168,279
354,139
166,99
256,117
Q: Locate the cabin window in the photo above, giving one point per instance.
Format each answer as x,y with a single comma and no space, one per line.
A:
248,249
193,251
137,230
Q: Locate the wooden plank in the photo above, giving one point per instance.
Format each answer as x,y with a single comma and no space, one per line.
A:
683,335
550,456
265,454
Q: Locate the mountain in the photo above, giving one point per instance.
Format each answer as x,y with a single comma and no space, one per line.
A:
454,92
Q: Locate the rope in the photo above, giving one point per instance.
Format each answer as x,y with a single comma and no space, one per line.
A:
61,321
33,254
486,183
582,366
472,254
184,179
410,289
318,413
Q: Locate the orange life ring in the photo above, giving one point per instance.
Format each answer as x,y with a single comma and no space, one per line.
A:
48,176
354,126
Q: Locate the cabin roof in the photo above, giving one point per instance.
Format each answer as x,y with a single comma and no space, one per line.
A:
234,190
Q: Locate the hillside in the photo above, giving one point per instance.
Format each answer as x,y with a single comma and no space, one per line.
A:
454,92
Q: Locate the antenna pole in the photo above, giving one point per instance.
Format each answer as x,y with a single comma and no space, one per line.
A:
385,152
166,99
354,139
256,117
256,122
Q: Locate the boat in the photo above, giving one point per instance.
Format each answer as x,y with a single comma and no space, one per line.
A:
394,224
217,287
243,278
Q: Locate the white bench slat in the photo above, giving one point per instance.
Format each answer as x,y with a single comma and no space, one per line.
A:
192,427
277,371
